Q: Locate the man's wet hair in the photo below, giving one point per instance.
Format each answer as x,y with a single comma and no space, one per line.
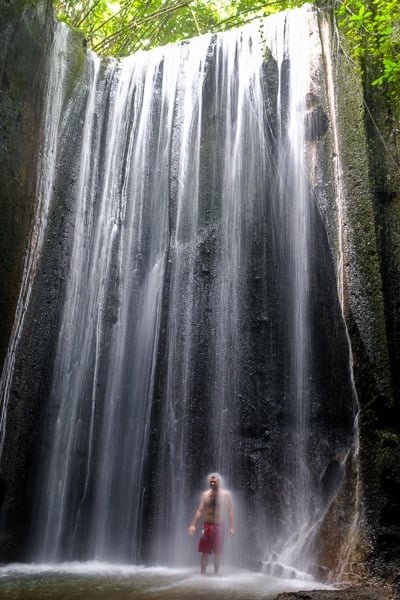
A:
215,475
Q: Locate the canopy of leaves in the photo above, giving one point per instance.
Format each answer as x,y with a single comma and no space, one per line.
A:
372,28
121,27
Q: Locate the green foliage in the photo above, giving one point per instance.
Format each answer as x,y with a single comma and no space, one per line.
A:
372,28
121,27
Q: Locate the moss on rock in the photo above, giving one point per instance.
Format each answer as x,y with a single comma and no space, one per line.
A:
372,242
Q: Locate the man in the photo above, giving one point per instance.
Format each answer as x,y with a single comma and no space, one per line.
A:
214,505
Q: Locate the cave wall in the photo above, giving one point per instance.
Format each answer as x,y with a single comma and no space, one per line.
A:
381,415
26,32
368,131
22,37
22,51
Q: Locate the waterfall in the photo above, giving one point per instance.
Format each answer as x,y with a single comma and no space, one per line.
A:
104,371
199,328
299,53
52,123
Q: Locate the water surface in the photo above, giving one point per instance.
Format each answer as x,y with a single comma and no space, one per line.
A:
101,581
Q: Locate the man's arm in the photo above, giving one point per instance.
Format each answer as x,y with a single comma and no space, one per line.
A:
231,515
197,516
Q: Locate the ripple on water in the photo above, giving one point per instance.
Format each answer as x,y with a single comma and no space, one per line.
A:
100,581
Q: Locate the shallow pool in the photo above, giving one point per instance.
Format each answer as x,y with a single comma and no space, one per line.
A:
101,581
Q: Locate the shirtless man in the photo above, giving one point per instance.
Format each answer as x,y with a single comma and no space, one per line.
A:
215,503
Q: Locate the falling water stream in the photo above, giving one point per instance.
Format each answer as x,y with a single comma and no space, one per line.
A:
186,339
52,123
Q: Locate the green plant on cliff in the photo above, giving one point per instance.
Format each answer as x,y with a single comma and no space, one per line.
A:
372,29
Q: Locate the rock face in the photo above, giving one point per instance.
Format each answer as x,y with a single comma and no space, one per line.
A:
382,407
371,234
362,236
22,50
27,31
22,47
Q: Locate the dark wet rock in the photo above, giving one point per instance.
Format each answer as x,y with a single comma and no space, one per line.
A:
351,593
26,31
316,120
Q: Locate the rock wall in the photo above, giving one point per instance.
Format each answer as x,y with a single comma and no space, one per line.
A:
368,131
26,32
22,51
381,405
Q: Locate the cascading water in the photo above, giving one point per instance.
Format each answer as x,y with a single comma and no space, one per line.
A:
52,122
207,333
103,381
293,206
197,325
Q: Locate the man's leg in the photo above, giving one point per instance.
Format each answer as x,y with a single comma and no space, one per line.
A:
217,562
203,563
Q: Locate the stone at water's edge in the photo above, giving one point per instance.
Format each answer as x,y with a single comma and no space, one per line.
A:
351,593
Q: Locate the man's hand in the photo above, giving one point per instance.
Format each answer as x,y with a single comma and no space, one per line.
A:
191,529
231,532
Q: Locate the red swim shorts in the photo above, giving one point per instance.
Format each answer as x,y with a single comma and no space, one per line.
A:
212,538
